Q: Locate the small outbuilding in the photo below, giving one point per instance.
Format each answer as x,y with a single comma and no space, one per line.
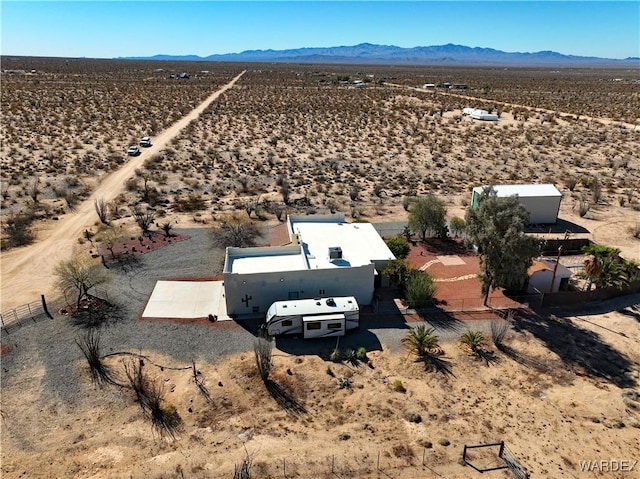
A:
542,201
548,276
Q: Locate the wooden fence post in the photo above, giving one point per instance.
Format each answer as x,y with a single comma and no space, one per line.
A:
44,307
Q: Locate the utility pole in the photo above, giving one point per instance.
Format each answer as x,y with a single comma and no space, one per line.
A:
555,269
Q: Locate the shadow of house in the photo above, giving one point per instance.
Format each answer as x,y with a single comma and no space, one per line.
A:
560,227
578,348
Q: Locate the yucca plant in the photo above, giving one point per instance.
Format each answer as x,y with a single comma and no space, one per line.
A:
421,340
474,340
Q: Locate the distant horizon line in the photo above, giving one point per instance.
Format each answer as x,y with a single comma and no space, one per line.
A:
334,47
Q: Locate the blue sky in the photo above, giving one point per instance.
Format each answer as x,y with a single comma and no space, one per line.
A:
122,28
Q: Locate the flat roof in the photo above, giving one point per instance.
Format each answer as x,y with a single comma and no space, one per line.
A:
360,242
523,191
265,260
306,307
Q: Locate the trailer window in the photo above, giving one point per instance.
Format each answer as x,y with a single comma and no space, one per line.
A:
314,325
287,322
334,326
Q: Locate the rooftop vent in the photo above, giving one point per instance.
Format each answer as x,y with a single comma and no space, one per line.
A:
335,252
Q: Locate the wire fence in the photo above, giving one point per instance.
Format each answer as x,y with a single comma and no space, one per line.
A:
400,462
33,311
459,305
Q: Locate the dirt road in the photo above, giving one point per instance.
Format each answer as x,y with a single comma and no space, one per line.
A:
26,273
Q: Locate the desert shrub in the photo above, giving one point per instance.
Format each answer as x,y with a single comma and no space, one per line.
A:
234,231
149,394
398,386
583,208
89,344
499,330
361,353
354,192
474,340
419,289
143,218
421,340
399,246
413,417
635,230
17,229
191,203
262,349
335,356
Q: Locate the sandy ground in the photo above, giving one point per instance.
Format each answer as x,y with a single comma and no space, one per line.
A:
561,402
565,392
27,272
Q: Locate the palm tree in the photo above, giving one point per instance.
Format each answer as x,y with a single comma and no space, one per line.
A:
421,340
599,266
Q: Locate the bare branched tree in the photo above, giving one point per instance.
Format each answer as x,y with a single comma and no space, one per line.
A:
81,273
101,210
250,205
234,231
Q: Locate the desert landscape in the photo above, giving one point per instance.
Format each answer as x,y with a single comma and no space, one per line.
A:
264,141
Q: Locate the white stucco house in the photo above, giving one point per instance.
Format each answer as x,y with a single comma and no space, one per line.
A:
326,257
542,201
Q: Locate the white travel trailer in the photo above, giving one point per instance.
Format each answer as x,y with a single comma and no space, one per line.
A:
314,318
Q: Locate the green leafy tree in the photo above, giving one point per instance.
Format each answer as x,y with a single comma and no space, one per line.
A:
421,340
399,246
397,270
419,289
427,215
457,226
496,227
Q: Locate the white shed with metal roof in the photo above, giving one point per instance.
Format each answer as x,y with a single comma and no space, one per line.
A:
542,201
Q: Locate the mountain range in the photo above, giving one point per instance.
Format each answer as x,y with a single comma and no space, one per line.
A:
445,55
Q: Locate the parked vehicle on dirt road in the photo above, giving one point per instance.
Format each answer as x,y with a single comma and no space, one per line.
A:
133,151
